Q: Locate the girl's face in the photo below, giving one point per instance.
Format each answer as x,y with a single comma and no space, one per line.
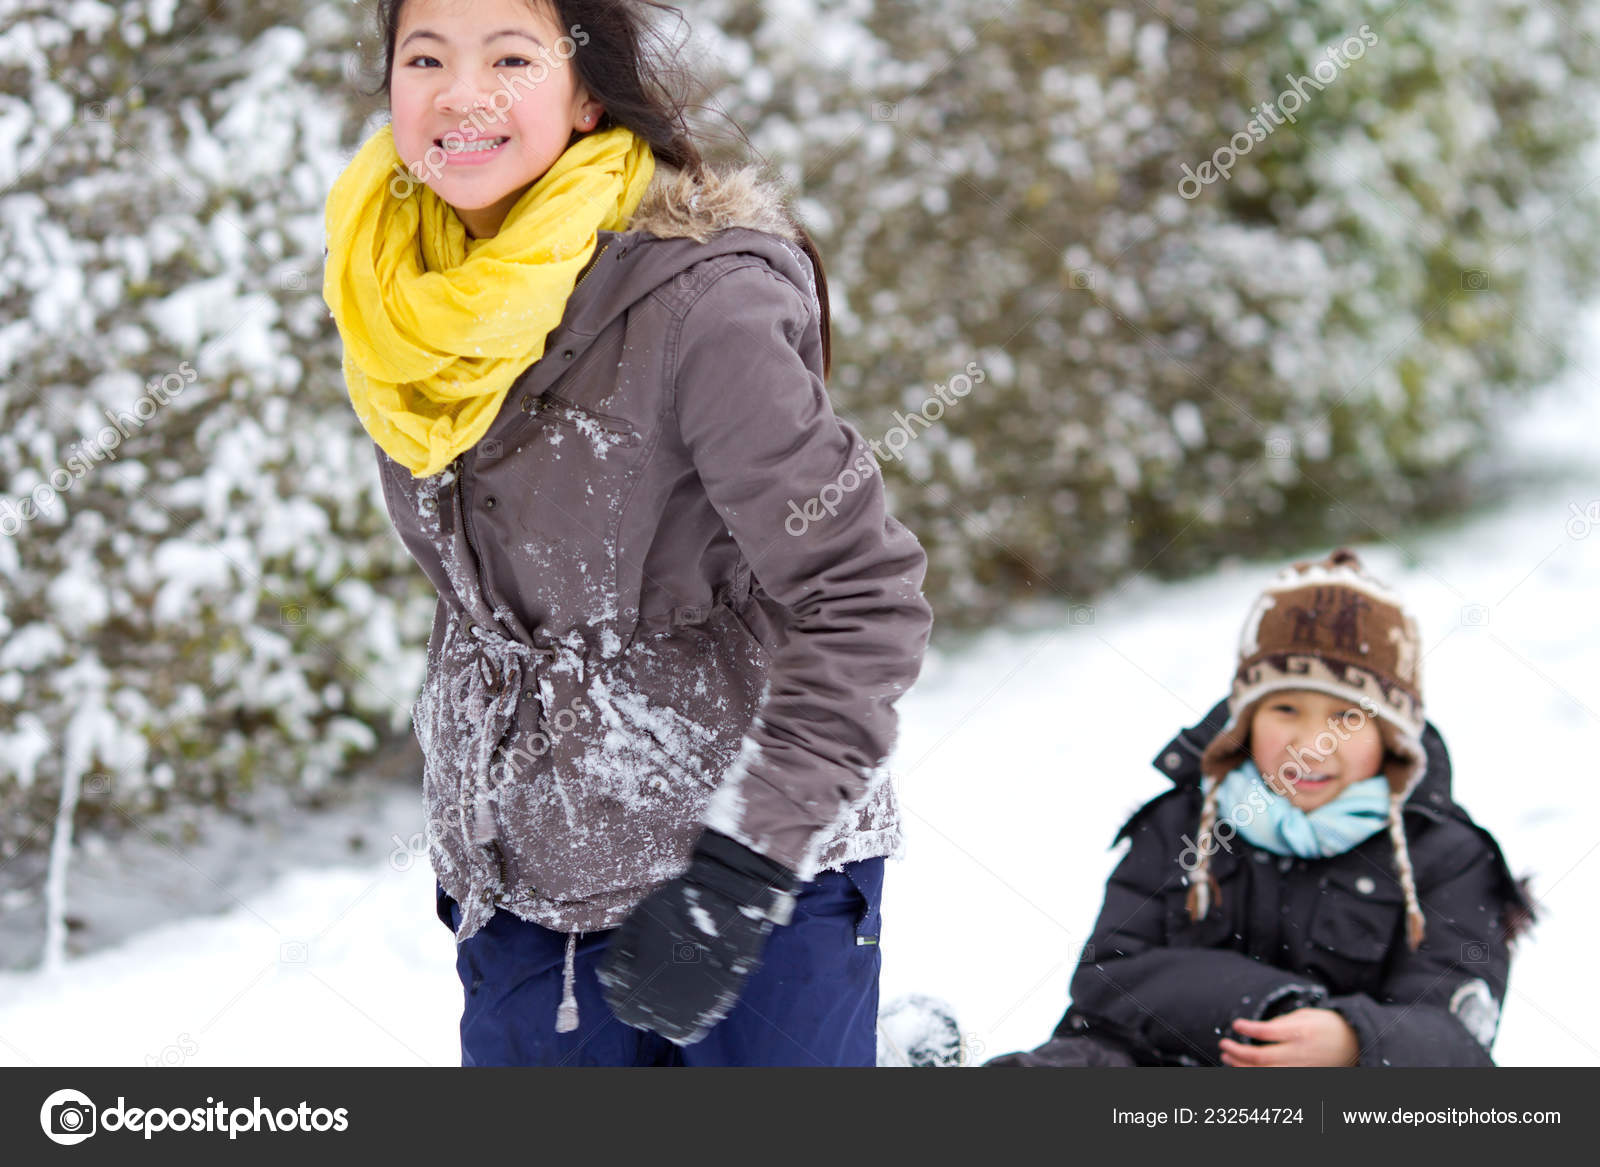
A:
1311,747
469,72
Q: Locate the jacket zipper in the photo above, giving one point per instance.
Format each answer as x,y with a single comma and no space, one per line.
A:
466,529
593,263
564,412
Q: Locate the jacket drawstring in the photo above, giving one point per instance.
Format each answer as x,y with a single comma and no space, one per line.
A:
567,1013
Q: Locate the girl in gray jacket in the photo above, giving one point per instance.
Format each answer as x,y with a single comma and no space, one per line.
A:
674,614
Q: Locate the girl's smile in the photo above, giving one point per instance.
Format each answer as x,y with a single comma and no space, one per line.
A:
471,152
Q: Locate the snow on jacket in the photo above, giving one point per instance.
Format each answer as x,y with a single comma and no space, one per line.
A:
670,594
1292,932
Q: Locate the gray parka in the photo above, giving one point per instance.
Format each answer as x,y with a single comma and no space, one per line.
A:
670,595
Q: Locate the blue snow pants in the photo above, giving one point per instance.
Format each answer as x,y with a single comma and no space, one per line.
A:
813,1001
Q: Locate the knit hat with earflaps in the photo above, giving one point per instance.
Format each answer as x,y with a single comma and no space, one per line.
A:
1331,627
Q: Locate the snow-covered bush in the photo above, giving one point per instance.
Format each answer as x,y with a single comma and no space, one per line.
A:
201,590
1176,370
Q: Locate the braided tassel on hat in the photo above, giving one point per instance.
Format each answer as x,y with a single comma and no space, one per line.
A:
1202,884
1402,863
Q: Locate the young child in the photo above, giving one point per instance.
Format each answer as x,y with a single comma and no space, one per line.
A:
1308,893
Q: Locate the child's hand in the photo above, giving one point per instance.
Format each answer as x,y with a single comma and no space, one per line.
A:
1304,1037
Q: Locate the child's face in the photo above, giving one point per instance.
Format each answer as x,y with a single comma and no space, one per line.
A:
521,91
1310,747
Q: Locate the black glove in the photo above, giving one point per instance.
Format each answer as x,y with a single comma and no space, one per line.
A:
679,961
1283,1000
1288,998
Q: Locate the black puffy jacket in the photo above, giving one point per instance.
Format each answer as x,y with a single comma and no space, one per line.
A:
1292,932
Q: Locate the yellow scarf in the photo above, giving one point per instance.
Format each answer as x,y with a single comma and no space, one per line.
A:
437,325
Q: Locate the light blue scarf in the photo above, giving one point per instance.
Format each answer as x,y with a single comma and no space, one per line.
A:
1270,821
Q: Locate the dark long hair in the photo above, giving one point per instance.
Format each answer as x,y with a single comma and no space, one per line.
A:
630,69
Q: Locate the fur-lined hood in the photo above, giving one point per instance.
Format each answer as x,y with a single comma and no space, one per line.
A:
683,219
680,204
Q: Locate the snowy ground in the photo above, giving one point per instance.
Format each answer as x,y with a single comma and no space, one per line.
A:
1020,755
